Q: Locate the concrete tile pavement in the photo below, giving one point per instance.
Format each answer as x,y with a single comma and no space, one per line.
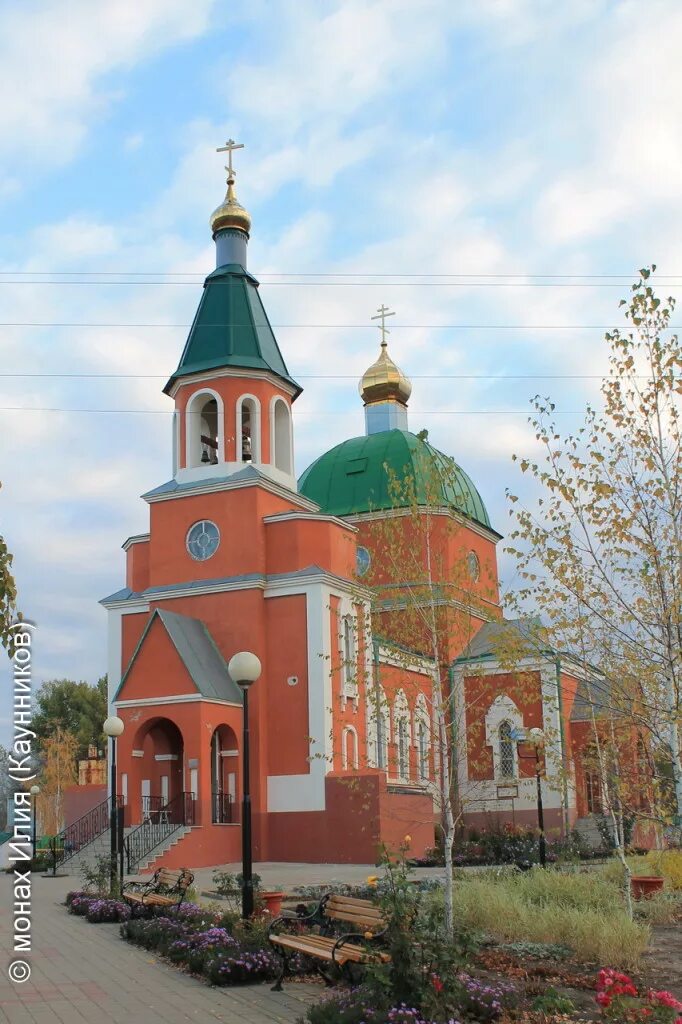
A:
84,973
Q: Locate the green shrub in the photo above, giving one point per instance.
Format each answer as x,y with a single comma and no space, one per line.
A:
552,1001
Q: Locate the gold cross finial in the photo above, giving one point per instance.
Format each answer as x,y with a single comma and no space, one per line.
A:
230,147
382,313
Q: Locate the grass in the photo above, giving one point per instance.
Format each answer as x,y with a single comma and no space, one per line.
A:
584,912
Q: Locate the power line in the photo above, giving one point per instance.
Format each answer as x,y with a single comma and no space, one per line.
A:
342,284
345,376
335,327
314,412
271,274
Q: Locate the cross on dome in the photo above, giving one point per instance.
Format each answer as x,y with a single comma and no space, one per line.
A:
382,313
229,148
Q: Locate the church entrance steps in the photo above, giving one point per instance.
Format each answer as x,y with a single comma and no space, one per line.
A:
156,857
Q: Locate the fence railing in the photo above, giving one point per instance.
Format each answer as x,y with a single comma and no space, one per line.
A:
161,821
80,833
223,809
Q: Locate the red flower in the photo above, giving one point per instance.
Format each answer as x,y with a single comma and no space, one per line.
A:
437,983
603,998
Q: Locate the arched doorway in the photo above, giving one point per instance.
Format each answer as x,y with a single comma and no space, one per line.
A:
225,780
157,791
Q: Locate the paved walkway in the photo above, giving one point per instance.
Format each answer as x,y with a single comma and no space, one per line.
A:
287,876
85,973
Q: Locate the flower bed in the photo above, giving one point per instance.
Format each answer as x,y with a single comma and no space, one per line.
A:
97,909
224,952
620,1001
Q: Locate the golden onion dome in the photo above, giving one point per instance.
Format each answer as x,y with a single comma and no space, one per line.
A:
230,213
384,381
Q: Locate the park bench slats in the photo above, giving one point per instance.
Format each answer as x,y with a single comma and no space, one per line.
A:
165,889
361,916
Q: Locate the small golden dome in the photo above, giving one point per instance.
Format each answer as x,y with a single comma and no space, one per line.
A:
230,213
384,381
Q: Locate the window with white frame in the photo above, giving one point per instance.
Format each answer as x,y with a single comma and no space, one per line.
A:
349,748
422,730
422,752
379,727
281,440
248,429
403,750
204,428
503,722
506,752
348,657
401,718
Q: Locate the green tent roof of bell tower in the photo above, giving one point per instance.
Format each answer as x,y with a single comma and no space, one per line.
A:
231,329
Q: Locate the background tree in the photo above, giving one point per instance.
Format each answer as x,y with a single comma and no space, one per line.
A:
76,708
601,551
59,770
425,601
8,594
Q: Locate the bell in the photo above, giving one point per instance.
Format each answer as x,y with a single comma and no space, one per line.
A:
205,455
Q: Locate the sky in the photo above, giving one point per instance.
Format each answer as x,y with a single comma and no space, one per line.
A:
528,152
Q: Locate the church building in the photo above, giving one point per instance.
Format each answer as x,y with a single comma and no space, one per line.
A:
240,555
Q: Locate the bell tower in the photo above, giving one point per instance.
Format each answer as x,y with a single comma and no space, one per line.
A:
233,393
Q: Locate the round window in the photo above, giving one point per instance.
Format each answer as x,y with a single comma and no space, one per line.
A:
363,561
473,566
202,540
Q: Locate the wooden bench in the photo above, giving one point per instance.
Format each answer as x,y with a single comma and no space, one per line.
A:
317,935
164,889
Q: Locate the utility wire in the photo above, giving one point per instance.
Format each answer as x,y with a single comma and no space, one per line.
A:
344,284
314,412
345,376
335,327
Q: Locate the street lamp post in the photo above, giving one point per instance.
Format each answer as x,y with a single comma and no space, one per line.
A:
113,727
245,668
35,790
536,738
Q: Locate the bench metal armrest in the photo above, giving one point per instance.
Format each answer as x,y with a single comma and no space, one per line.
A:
358,937
291,917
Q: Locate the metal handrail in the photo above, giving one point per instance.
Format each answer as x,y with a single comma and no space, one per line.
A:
159,823
80,833
222,810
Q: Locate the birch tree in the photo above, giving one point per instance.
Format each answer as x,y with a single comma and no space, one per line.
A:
600,551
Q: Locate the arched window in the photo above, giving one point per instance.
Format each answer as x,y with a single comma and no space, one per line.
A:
422,733
379,728
403,750
423,751
348,654
281,456
248,429
507,759
349,748
401,719
204,427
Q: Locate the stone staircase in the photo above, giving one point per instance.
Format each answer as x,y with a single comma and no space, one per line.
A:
101,847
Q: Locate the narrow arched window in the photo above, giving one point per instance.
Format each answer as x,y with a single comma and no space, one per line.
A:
281,436
203,430
350,748
348,653
248,430
423,751
507,761
403,750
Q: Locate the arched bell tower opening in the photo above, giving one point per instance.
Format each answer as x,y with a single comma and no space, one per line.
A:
248,430
204,430
281,443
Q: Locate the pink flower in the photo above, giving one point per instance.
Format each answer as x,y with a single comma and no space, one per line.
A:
603,998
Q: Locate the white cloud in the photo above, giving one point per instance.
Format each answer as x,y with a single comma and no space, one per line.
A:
54,59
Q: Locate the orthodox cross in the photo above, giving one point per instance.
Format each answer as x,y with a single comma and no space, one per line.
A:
230,147
382,313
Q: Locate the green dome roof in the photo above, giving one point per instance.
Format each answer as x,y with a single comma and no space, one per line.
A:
354,477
